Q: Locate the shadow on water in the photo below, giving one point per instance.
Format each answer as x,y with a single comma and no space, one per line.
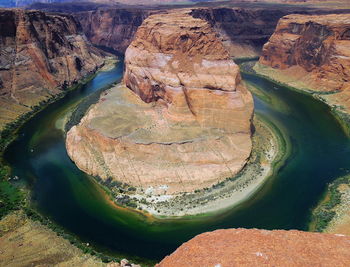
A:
320,153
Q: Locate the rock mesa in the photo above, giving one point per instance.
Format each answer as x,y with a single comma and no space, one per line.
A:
181,122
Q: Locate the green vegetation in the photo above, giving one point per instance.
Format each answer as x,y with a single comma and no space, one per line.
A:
324,212
83,107
11,198
14,198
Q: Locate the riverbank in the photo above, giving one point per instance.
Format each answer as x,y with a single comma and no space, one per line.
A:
336,100
332,214
270,149
12,198
15,200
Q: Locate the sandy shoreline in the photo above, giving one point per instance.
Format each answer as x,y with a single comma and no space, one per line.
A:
266,152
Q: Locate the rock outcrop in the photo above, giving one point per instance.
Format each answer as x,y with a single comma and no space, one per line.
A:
318,47
311,53
186,122
111,27
40,55
243,247
243,31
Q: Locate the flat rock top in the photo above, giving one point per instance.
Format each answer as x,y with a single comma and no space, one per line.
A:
252,247
331,19
177,32
124,114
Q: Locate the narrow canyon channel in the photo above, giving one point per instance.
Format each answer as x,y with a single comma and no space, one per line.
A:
320,153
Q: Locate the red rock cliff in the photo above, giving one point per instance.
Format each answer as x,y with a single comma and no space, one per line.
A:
315,50
41,54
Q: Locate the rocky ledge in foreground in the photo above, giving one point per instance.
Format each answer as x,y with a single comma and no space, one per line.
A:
186,122
41,54
243,247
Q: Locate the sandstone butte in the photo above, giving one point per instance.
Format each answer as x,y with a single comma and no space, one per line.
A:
41,54
311,53
182,119
252,247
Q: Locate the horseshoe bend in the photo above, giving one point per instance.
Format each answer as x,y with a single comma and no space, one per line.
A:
180,121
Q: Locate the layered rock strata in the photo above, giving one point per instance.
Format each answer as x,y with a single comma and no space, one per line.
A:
112,27
40,55
316,48
243,31
183,123
252,247
311,53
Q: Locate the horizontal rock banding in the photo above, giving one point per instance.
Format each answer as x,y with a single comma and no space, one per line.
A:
315,49
185,125
40,54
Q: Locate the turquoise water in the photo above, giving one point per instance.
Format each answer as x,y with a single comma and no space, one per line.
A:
320,153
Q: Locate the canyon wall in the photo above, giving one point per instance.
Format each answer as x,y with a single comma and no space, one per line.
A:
311,53
253,247
40,55
182,123
243,30
111,27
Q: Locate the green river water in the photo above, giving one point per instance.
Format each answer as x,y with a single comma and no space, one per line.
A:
320,153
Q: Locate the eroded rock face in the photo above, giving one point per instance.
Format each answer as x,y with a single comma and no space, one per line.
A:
112,27
40,55
186,122
244,31
243,247
313,49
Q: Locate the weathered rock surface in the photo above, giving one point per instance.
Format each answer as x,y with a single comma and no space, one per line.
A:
244,31
40,55
112,27
311,53
315,49
185,125
243,247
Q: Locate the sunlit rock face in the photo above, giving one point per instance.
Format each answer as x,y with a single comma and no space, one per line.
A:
181,122
316,48
253,247
41,54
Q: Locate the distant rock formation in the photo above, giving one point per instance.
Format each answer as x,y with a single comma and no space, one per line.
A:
112,27
252,247
311,53
244,31
40,55
318,46
185,125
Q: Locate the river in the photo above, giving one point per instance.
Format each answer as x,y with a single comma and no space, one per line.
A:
320,153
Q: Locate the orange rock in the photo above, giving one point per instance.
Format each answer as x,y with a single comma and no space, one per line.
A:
40,55
252,247
185,125
314,49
